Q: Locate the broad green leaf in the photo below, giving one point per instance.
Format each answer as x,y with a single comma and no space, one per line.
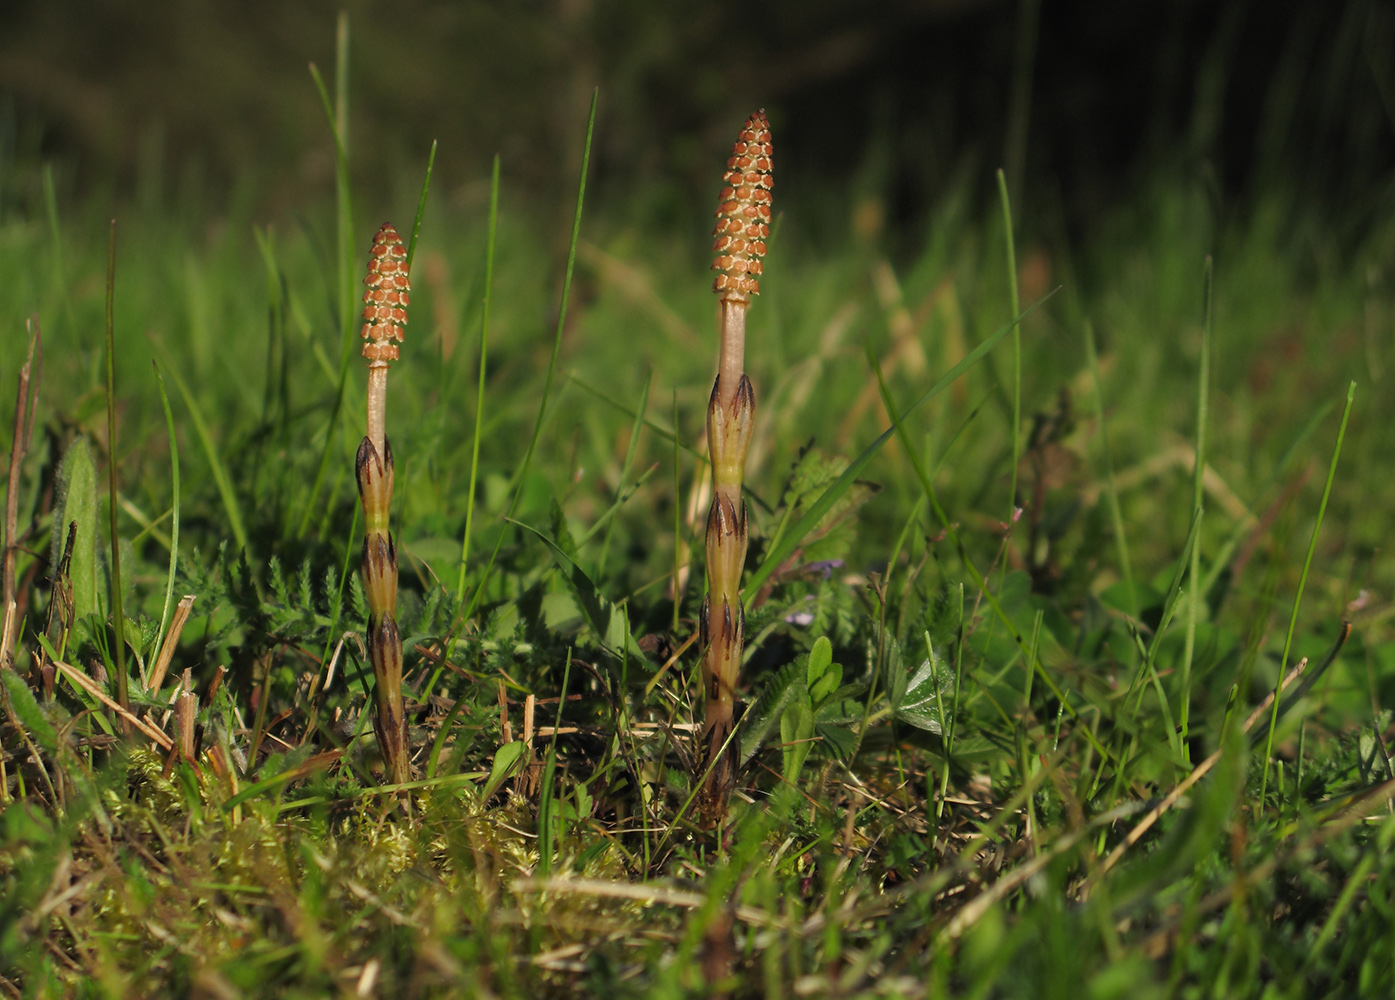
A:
75,501
822,676
27,710
926,692
506,761
561,531
897,674
796,731
825,687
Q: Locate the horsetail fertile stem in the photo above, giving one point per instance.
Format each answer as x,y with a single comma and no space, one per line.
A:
385,316
743,223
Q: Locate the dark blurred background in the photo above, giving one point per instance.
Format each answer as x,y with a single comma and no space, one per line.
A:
1080,101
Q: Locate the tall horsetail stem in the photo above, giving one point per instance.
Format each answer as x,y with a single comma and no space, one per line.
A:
743,223
385,317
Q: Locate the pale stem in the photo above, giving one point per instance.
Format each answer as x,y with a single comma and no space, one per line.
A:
732,361
377,406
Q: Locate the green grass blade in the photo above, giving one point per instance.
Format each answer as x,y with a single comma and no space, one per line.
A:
1116,516
118,617
1302,582
898,427
666,433
338,115
522,473
604,617
1016,350
174,507
421,206
1197,594
215,463
1297,691
795,534
630,450
677,518
1244,527
479,392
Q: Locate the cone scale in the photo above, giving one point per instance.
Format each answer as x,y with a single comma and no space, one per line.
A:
743,223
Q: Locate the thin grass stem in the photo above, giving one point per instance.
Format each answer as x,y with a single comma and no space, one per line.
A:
1302,582
1198,474
174,507
521,474
479,391
117,612
1116,516
1016,350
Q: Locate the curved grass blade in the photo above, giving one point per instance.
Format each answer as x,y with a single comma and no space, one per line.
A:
118,617
338,115
782,551
220,473
1297,691
527,462
898,426
1302,581
174,509
479,392
606,619
1198,473
421,205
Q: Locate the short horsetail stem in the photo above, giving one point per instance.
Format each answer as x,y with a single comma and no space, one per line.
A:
385,316
743,223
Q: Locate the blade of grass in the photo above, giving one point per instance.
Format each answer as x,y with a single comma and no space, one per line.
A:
951,725
677,519
1302,582
1295,692
174,508
60,282
1016,351
835,490
546,819
1116,515
220,472
479,392
666,433
118,617
338,115
898,427
1197,595
522,472
625,469
421,206
1245,526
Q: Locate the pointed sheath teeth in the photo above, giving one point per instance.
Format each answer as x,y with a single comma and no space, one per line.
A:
375,478
743,213
379,569
726,543
729,430
386,298
384,647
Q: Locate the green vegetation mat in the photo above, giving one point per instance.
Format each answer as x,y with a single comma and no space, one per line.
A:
1019,598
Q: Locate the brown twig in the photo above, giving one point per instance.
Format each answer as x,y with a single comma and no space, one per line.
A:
166,654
